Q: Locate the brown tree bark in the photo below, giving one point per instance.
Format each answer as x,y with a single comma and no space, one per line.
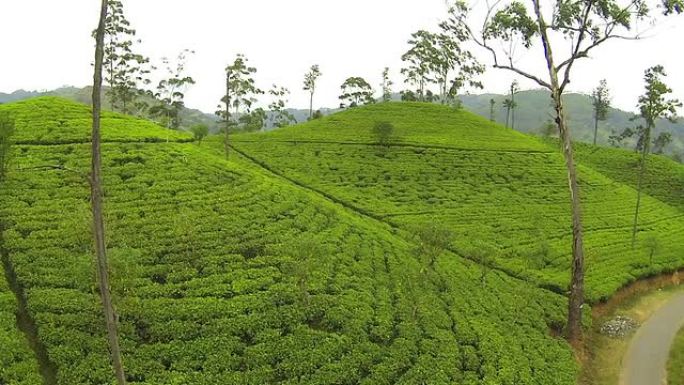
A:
96,205
640,180
311,105
576,298
226,143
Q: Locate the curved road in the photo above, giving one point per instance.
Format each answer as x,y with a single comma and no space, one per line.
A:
645,362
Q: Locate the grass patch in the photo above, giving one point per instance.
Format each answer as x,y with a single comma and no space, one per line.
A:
675,366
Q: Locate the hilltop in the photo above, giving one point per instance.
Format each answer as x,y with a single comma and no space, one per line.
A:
296,260
504,194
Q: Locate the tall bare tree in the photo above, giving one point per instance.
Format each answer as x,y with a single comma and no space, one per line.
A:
577,27
310,79
102,265
652,106
600,100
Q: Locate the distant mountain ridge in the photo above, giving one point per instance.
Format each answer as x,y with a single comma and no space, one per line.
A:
534,109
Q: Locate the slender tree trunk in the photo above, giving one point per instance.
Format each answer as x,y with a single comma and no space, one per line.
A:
640,181
508,117
96,202
595,129
574,328
576,300
512,110
226,143
311,104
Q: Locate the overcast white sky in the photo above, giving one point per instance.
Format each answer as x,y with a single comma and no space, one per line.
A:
46,44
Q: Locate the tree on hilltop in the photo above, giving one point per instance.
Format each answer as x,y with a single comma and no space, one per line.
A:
577,27
600,100
170,91
280,117
653,105
356,91
310,79
386,86
241,91
126,71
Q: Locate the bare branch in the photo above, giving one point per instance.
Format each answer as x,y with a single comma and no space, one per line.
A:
483,43
580,39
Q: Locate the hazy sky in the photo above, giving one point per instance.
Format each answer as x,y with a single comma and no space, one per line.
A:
47,44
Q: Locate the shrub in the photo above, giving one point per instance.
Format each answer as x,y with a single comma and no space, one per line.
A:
383,132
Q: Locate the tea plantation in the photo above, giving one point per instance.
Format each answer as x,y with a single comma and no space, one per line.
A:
503,194
225,273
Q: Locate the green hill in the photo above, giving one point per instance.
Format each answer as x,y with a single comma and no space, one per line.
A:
189,116
223,272
53,120
503,194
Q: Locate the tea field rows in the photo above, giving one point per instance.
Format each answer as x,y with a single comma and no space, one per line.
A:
224,274
508,208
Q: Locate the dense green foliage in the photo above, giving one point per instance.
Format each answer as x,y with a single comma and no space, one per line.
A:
49,120
496,189
17,363
225,273
663,179
675,366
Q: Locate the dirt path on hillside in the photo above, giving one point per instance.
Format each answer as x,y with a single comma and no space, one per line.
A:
646,360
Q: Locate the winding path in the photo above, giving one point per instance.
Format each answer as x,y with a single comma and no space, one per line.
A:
645,362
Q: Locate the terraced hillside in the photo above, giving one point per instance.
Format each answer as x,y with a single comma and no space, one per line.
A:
663,180
504,194
223,272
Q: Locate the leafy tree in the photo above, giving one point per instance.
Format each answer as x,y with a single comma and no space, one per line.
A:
514,90
199,132
96,205
6,133
170,92
386,86
653,105
548,129
509,105
420,58
408,96
310,79
241,91
280,117
253,120
600,100
661,141
317,115
617,139
383,132
355,92
577,27
453,56
433,239
126,70
492,103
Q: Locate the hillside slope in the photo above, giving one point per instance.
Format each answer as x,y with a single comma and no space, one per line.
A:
502,193
225,273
